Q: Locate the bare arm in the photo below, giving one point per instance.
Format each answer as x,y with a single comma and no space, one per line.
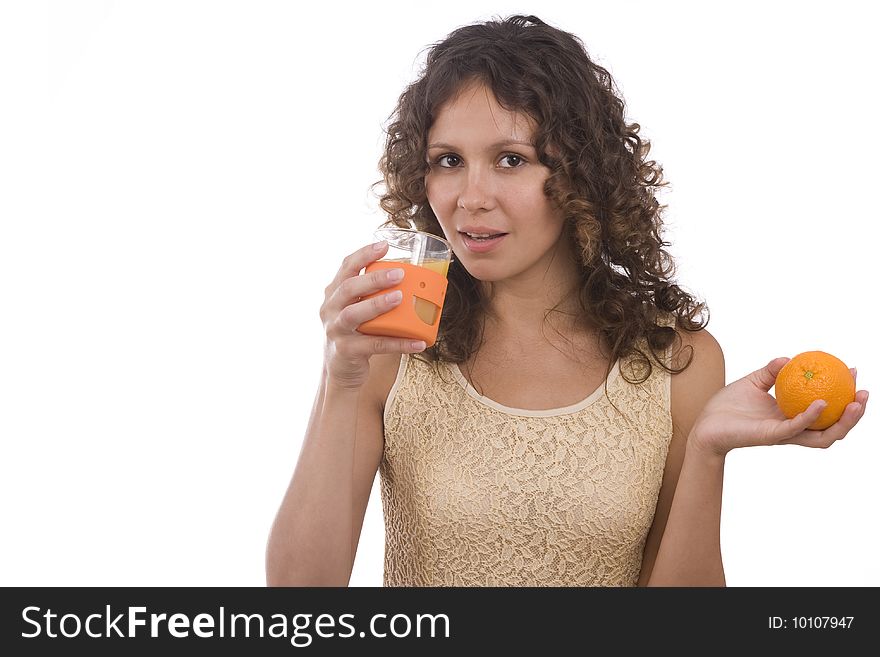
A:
710,419
684,544
315,533
690,551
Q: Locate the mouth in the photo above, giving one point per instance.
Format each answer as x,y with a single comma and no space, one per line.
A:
481,237
482,242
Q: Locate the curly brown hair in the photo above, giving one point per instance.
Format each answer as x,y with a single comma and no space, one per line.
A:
600,179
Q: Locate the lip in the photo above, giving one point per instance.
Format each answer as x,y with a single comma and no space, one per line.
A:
481,247
473,228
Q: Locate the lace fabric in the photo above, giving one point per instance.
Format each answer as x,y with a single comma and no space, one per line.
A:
475,493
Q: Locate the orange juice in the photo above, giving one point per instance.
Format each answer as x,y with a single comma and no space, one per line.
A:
425,260
426,310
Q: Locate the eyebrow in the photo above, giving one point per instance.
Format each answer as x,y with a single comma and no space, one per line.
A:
492,147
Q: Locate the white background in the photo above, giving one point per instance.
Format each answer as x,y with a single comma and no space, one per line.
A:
180,180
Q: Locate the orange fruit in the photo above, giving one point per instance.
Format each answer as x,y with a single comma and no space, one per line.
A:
813,375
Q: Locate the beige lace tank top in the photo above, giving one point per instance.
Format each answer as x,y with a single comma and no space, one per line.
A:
475,493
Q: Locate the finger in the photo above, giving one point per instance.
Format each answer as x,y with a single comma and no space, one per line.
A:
355,314
765,377
837,431
355,288
862,398
354,262
849,419
787,430
369,345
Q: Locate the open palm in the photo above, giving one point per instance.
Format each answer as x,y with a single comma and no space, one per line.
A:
744,413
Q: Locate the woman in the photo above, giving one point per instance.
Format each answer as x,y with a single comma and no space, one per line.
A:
569,426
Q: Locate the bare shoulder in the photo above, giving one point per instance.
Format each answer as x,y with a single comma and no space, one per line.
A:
702,378
704,352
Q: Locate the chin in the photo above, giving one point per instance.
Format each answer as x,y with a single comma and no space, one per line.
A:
481,272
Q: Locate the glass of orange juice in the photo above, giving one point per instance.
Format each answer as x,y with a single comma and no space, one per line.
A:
425,260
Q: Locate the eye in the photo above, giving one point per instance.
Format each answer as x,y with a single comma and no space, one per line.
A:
448,161
511,161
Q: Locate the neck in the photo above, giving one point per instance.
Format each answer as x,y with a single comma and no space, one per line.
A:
521,307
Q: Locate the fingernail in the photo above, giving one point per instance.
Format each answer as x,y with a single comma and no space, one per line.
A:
395,274
397,295
418,345
378,246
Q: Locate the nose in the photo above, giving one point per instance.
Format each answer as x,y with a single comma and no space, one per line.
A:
476,194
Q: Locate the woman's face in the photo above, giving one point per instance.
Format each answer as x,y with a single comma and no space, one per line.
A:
485,177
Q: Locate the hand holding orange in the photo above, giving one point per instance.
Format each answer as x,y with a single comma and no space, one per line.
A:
813,375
